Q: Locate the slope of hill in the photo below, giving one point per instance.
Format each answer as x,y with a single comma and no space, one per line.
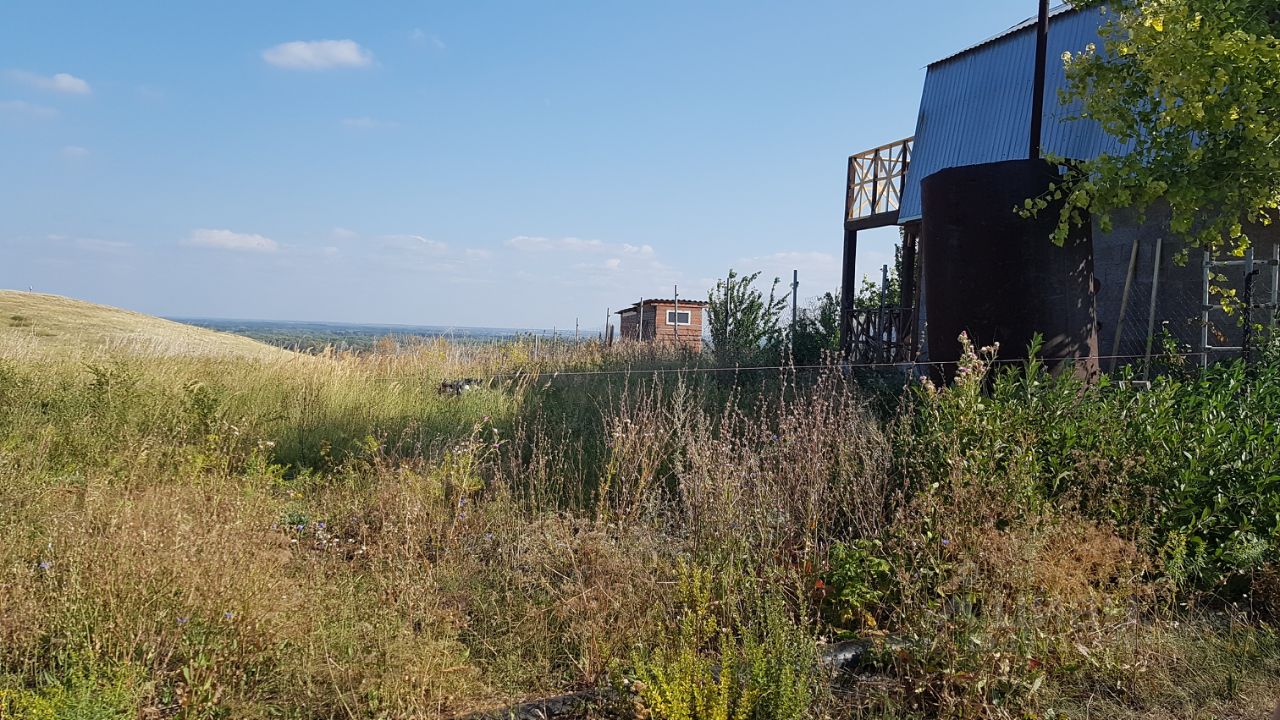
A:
36,324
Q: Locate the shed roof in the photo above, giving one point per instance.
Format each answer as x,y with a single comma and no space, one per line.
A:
1024,25
976,104
664,301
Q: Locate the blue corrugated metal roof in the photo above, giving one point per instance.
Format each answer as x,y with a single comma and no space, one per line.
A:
1025,24
976,105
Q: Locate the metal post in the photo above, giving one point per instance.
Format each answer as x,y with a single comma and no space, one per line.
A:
675,294
1037,96
848,289
795,287
1247,335
907,287
884,289
1275,286
1124,302
1151,314
1204,312
791,336
875,182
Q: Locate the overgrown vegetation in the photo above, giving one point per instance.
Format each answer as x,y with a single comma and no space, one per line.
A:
330,536
815,337
745,326
748,328
1188,87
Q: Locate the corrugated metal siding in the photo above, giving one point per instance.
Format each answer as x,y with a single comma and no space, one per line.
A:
976,106
1029,22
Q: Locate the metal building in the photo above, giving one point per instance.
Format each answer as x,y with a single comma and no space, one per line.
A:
976,108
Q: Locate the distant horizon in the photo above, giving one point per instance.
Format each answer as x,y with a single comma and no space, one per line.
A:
191,320
416,326
197,319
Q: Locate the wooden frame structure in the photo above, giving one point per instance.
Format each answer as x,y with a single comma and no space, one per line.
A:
873,195
876,180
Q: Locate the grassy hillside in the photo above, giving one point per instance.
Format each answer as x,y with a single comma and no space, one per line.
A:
39,325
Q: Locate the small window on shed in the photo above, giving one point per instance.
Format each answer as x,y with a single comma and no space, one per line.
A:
684,317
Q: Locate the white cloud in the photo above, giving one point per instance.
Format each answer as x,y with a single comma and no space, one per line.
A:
819,271
402,250
415,244
365,122
599,270
591,272
61,82
22,108
641,250
318,55
637,262
228,240
74,151
421,37
90,244
531,243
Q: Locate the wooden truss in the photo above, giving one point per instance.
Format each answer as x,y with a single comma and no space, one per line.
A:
876,180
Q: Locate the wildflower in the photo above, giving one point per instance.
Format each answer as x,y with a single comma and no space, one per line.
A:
228,615
45,564
320,525
946,542
183,620
300,527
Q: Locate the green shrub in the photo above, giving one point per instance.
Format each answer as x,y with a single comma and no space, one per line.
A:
1191,465
83,691
745,326
815,336
856,583
723,663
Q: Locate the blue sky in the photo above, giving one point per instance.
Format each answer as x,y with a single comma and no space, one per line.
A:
515,164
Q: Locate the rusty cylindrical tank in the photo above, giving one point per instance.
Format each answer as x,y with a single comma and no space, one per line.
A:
998,276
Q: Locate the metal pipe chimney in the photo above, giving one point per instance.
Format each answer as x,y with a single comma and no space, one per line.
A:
1037,92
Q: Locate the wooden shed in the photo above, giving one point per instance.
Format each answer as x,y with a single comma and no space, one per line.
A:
674,322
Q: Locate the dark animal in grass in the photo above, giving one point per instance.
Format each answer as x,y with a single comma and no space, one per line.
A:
458,387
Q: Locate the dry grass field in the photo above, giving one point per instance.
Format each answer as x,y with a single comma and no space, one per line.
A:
224,530
56,326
